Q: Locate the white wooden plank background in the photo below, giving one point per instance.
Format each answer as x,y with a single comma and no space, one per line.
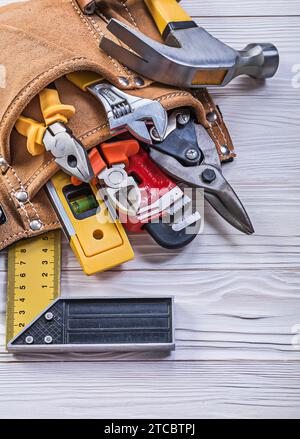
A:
237,297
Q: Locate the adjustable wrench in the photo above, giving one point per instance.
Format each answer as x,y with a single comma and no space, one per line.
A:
124,111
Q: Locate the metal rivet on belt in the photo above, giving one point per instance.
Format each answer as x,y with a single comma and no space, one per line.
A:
212,116
123,81
36,225
225,150
21,196
139,81
3,165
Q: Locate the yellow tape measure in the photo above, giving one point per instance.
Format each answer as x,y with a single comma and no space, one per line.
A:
33,279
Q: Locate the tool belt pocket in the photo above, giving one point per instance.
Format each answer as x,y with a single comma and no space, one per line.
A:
35,53
42,41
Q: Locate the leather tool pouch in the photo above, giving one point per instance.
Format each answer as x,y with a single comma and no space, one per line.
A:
40,42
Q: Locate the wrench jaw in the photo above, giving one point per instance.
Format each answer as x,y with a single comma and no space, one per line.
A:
150,111
129,112
138,123
160,119
139,130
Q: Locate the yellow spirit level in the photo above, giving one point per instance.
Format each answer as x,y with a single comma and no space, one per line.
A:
96,235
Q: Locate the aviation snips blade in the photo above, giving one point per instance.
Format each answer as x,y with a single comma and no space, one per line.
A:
189,155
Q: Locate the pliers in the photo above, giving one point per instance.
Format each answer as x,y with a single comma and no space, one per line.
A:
189,155
55,136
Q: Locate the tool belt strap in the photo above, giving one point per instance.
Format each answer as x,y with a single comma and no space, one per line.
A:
40,42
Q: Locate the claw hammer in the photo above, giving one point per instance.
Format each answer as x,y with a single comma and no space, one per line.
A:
190,57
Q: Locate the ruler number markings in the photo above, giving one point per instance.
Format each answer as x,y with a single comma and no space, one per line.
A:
34,266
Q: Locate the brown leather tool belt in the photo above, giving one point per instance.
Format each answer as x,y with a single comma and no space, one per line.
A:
41,41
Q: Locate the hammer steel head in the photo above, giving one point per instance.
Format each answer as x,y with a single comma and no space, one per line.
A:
194,58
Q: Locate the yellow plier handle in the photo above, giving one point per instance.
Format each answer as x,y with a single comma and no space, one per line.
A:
34,131
53,111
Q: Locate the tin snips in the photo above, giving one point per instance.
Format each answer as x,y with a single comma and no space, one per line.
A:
189,155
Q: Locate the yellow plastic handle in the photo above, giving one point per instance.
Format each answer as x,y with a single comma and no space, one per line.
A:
52,108
34,132
99,242
83,80
166,12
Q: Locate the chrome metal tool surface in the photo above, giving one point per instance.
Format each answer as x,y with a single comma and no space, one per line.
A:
189,155
191,57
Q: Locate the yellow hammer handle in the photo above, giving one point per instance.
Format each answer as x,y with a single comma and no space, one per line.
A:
166,13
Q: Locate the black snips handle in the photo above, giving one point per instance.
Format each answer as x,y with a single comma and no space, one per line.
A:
170,239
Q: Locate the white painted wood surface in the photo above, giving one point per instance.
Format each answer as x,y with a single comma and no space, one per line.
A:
237,297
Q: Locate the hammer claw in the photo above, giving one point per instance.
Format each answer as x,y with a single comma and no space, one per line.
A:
123,55
134,39
191,57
